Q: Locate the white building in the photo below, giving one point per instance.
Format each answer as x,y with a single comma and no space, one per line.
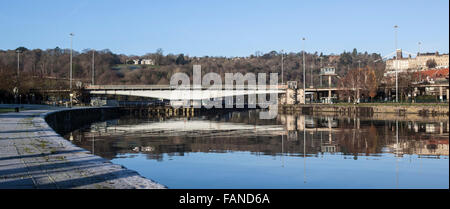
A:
147,62
143,62
402,64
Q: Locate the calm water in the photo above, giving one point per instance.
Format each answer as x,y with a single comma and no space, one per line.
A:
237,150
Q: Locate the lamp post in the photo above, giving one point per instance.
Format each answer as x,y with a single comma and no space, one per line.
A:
282,66
18,63
312,78
418,66
396,61
304,73
71,96
418,54
16,90
321,66
93,66
71,36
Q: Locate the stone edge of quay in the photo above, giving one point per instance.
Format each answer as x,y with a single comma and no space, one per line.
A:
138,180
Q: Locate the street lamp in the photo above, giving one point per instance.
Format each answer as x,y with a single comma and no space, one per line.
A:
282,66
418,55
304,73
312,77
93,66
16,90
321,66
396,61
71,36
71,97
18,51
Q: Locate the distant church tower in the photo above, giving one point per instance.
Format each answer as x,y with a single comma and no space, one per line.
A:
399,54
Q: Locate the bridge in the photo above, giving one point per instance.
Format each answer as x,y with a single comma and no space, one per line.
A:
166,92
195,93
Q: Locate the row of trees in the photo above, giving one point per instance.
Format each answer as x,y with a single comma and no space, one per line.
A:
359,83
49,69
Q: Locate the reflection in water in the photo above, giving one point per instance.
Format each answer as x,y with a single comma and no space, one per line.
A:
243,146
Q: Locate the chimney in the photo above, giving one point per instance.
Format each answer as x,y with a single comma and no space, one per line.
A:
437,53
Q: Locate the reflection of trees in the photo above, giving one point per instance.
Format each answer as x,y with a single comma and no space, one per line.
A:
356,141
348,136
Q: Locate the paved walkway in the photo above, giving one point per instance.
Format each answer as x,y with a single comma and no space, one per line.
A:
32,155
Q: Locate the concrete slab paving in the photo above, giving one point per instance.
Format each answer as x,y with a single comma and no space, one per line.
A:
33,156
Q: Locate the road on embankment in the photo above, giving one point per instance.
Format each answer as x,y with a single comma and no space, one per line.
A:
34,156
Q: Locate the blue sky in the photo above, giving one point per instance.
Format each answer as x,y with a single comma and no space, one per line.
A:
225,28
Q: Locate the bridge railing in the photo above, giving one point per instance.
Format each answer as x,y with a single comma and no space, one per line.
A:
187,87
142,103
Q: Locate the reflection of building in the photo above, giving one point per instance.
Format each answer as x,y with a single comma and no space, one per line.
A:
328,148
326,134
425,147
144,149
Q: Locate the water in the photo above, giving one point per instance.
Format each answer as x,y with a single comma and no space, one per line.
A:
237,150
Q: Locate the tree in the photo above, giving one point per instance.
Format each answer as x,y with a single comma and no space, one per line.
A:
371,83
21,49
405,84
351,82
180,60
355,52
431,63
48,69
345,59
159,56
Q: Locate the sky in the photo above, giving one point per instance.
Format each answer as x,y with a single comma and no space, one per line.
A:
226,28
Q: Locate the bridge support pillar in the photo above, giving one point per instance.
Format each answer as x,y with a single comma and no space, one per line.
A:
329,96
291,97
447,95
301,96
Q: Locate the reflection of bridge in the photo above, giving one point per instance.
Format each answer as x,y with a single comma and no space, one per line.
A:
193,128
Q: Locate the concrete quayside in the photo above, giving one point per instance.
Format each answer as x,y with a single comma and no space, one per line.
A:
34,156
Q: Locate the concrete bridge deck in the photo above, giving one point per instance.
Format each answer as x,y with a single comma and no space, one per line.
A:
33,156
169,87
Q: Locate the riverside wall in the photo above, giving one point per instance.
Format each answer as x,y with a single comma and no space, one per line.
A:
366,110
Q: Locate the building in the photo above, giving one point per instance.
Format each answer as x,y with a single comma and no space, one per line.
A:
327,71
433,75
143,62
442,61
147,62
417,63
